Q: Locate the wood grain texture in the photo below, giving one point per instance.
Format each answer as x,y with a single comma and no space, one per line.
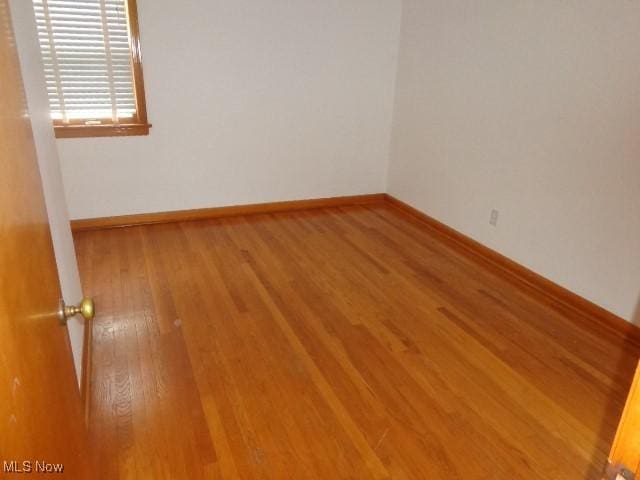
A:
136,65
341,343
549,291
40,409
222,212
626,446
107,130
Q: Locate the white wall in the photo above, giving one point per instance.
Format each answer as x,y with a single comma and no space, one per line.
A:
529,107
251,101
533,108
24,26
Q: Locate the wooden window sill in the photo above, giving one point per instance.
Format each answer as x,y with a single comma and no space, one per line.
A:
85,131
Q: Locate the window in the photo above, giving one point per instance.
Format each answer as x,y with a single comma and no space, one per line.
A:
93,67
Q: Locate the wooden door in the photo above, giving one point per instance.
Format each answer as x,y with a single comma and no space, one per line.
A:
40,409
624,459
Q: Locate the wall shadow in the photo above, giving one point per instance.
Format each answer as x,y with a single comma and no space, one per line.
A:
636,315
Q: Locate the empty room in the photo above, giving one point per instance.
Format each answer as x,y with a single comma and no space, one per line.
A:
338,239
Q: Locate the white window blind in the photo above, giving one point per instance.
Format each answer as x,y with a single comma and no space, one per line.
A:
87,59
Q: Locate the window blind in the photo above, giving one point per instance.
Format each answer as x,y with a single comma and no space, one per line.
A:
87,59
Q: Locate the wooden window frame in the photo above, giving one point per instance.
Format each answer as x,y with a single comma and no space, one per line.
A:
139,124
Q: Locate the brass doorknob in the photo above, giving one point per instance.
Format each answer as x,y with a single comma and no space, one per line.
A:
86,309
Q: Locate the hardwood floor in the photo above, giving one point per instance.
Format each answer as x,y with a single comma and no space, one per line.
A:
343,343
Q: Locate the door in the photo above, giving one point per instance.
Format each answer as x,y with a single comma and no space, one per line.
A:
624,460
41,417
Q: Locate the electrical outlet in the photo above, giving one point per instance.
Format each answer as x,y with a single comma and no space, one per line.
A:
493,220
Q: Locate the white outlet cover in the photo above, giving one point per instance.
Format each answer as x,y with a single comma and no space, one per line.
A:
493,220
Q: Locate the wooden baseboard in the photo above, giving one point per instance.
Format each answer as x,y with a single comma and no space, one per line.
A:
219,212
85,381
552,293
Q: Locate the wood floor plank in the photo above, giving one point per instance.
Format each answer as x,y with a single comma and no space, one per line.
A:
342,343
